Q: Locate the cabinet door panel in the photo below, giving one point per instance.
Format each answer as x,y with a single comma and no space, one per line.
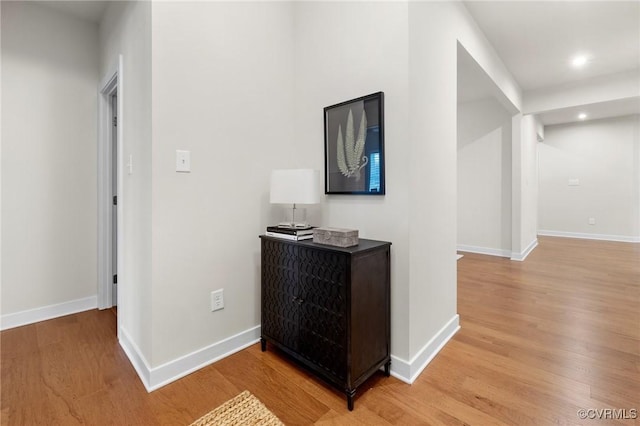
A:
280,319
322,333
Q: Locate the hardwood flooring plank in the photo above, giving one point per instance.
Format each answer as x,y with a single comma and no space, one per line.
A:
274,389
324,393
18,342
365,418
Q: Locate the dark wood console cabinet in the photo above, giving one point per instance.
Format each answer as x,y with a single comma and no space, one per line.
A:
328,307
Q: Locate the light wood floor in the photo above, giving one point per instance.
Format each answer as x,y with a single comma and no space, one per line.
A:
540,340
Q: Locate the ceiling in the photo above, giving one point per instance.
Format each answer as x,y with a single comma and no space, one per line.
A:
537,41
616,108
87,10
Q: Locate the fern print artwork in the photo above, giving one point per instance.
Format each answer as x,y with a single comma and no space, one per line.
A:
350,150
354,146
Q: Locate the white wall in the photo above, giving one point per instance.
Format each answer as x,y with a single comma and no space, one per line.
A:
524,194
329,70
484,177
49,78
434,30
238,85
407,50
529,184
604,155
222,89
126,29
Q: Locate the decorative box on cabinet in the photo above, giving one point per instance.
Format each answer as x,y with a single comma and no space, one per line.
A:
328,307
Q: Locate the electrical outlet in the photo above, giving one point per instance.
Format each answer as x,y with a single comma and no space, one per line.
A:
592,221
217,300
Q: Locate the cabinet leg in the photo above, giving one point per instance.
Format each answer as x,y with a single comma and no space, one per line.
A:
263,344
387,368
350,396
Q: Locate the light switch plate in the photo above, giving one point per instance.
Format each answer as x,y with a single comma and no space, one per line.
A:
574,182
183,161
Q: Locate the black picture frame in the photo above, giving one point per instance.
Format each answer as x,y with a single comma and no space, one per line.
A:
353,165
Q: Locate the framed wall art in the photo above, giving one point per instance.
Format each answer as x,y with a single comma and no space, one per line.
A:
354,146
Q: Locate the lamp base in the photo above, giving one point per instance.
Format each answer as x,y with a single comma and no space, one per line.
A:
293,223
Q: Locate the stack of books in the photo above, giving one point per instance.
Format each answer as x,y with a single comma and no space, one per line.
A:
288,233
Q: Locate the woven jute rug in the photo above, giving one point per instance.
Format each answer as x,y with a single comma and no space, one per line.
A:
244,409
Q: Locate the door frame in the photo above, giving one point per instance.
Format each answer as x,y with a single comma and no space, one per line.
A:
110,85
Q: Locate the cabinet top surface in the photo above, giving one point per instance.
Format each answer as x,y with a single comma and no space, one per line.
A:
363,244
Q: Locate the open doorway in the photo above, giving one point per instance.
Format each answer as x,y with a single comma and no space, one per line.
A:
109,182
484,162
114,197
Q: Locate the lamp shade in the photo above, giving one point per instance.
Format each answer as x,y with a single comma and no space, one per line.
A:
295,186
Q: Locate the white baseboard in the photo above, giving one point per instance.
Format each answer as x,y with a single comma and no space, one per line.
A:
523,255
408,371
44,313
484,250
136,357
156,377
602,237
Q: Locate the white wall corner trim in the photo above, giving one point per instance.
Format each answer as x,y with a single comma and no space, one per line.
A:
484,250
134,354
602,237
408,371
523,255
44,313
157,377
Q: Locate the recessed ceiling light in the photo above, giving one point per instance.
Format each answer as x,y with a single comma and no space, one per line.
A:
579,61
582,116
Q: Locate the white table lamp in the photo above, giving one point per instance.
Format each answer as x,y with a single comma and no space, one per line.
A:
295,186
